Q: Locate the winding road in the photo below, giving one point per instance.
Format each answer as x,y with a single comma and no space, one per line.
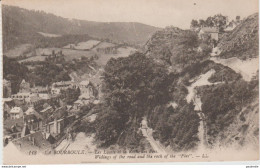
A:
148,134
192,96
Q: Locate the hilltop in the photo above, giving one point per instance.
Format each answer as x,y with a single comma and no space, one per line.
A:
24,26
177,48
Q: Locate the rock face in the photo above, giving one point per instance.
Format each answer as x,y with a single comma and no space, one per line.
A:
242,42
244,131
173,46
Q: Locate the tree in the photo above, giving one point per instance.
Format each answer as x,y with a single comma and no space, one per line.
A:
202,23
15,72
132,86
220,21
194,24
210,22
238,18
71,95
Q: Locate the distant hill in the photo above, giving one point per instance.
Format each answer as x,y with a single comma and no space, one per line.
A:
242,42
21,26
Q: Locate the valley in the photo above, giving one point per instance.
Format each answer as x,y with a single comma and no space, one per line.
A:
129,86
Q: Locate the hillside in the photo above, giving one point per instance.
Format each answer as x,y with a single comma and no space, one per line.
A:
225,100
23,26
242,42
185,99
176,48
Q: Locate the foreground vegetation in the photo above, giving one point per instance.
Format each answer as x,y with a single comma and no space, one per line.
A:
135,87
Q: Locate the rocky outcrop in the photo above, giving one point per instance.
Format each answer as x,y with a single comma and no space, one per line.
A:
242,42
174,47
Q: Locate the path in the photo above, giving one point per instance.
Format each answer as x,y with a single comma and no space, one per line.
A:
192,96
247,68
147,133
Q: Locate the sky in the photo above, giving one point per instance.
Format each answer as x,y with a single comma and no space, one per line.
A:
159,13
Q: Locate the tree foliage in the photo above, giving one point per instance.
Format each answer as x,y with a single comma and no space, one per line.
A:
221,103
218,20
14,72
47,74
133,86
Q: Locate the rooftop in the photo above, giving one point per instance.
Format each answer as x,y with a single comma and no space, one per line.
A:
86,82
23,81
78,102
7,99
35,141
209,29
84,96
30,111
16,110
46,109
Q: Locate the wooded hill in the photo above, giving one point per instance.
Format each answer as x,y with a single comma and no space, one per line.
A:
22,26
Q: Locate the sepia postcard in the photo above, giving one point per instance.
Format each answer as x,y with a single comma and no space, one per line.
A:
119,81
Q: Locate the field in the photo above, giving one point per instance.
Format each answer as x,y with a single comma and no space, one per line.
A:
17,51
104,45
68,53
122,52
83,45
36,58
49,35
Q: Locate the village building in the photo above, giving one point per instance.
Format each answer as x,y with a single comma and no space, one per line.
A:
12,128
58,125
55,91
44,96
107,50
39,89
8,104
55,127
87,89
23,96
16,112
31,99
54,57
33,119
232,25
7,90
24,87
96,102
37,141
213,32
63,85
46,110
78,104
